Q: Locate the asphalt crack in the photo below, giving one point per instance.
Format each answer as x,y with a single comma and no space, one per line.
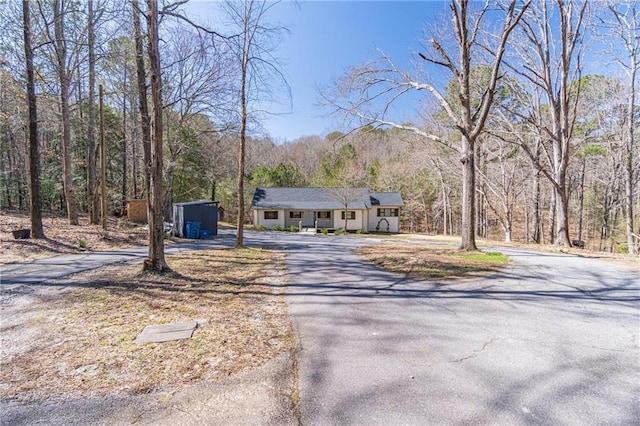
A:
477,352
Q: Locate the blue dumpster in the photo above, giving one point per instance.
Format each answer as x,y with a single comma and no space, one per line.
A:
193,230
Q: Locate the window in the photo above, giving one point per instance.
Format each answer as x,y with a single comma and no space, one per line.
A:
295,215
351,215
387,212
324,215
270,214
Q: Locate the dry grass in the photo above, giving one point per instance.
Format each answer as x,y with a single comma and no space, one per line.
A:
81,341
429,263
64,238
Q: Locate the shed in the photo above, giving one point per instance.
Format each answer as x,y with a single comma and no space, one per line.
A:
203,212
137,211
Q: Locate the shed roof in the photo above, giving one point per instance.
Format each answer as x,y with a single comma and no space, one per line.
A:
321,198
196,203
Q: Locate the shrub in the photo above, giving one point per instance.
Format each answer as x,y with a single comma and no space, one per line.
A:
260,228
293,228
324,231
340,231
359,232
277,227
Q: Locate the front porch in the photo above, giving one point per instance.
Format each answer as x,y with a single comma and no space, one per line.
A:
309,219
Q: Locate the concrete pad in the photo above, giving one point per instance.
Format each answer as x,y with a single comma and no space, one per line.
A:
167,332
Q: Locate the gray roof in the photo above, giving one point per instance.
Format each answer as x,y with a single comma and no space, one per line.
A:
386,199
322,198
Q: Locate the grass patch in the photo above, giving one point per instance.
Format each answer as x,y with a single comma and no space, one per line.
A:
431,263
84,337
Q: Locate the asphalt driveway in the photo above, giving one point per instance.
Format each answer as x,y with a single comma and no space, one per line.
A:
552,340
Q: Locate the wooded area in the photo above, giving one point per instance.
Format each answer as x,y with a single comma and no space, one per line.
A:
522,142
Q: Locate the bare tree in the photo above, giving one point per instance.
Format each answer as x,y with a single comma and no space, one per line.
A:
624,28
35,197
259,73
64,76
346,196
143,105
197,83
92,199
550,60
365,86
155,261
503,183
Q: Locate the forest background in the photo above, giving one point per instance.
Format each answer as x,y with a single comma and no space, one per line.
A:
555,136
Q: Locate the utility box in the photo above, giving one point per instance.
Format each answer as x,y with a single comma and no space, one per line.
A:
204,213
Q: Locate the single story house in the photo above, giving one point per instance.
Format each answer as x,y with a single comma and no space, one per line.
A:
325,208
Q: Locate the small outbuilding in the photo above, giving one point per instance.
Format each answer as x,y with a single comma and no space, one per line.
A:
196,219
137,211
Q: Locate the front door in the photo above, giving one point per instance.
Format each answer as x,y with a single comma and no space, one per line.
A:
309,219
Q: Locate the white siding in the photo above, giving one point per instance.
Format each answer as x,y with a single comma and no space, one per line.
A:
352,224
269,223
374,220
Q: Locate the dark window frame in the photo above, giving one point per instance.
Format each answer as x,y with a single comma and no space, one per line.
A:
388,212
271,215
352,214
295,214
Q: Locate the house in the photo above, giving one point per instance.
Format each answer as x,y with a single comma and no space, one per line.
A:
325,208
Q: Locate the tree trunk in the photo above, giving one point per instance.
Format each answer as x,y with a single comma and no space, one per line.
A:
581,199
562,234
156,261
142,98
507,228
243,134
92,199
103,165
35,197
552,216
241,161
630,151
468,196
123,207
63,75
604,227
444,211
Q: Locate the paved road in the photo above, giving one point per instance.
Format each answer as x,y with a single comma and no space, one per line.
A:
552,340
41,270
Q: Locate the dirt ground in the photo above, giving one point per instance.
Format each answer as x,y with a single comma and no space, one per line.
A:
62,238
75,336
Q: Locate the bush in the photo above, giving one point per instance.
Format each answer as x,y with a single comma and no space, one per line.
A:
340,231
277,227
260,228
359,232
324,231
293,228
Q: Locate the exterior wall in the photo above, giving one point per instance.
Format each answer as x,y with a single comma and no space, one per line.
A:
375,221
295,221
352,224
268,223
366,220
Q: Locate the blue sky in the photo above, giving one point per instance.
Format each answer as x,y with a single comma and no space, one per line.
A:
326,38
